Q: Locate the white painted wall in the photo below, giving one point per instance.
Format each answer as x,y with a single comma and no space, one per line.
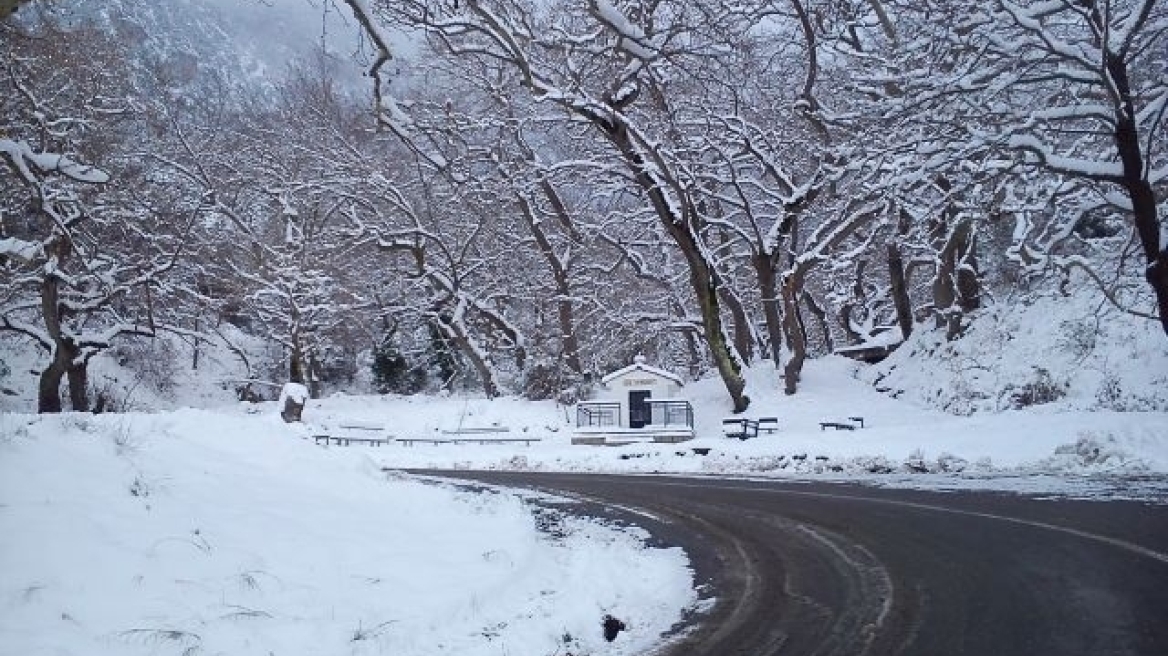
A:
617,390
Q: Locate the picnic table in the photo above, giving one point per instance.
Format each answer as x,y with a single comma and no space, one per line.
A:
744,428
840,425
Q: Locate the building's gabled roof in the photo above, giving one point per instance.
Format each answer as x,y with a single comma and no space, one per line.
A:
639,365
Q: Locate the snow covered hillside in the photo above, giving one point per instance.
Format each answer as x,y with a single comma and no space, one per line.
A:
221,533
1071,352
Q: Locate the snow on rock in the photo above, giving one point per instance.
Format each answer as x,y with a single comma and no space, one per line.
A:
222,533
295,392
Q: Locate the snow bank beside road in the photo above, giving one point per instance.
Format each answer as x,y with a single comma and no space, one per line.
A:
196,532
900,437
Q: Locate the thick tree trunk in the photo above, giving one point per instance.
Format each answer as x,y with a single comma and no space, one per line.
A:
796,340
1158,278
743,336
78,375
820,316
956,288
297,371
764,267
49,385
571,343
705,287
703,278
899,284
1139,189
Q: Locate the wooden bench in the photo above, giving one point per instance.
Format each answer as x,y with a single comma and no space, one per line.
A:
824,425
739,428
348,440
410,441
839,425
354,432
477,431
768,424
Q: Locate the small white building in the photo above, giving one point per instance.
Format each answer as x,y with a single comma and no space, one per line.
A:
636,403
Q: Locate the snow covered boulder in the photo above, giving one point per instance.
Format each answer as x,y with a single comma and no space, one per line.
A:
292,400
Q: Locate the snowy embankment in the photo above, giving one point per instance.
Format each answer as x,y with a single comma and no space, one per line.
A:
1058,396
223,533
1056,446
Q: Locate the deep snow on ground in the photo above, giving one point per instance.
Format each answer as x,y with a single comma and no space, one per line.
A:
199,532
1038,449
226,531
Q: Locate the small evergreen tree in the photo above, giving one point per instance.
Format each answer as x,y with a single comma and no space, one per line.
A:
392,372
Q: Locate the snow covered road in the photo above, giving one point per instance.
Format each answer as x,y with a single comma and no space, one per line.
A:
844,569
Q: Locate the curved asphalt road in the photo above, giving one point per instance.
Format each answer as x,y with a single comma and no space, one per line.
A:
848,570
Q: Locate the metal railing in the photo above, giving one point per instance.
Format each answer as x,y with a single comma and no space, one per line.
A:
597,414
668,413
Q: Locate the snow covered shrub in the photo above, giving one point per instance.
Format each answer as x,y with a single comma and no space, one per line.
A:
1040,391
915,462
950,463
335,366
1110,393
547,379
110,396
1078,337
393,374
876,465
152,361
123,437
1094,451
542,380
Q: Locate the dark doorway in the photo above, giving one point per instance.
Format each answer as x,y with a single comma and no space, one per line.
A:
639,413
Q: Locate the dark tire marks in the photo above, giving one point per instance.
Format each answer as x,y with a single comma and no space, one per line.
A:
834,570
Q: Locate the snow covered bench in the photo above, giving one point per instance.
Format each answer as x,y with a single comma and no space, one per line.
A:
743,428
839,425
410,441
476,431
739,428
354,431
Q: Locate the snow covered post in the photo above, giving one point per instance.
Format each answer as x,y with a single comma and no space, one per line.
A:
292,400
